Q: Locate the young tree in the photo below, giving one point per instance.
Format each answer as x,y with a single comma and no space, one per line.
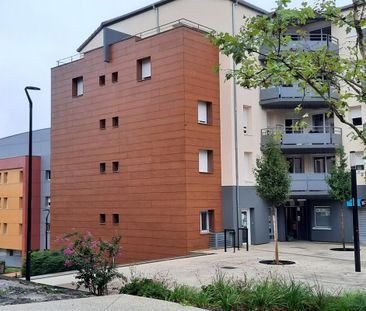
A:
273,182
339,182
266,37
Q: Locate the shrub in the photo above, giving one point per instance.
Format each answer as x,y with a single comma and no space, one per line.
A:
146,288
93,259
44,262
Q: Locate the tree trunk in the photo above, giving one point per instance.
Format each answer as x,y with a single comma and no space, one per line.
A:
275,233
341,213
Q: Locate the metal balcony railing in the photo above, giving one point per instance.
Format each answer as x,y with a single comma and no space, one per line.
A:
309,182
315,135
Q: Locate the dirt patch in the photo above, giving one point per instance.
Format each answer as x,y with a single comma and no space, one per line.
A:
15,291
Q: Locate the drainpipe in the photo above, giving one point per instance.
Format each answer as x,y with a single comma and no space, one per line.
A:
157,18
237,197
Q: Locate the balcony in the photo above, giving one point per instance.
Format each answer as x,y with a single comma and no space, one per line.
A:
310,140
289,97
309,184
309,42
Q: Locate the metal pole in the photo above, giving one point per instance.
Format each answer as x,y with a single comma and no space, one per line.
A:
356,233
46,231
247,237
30,180
225,239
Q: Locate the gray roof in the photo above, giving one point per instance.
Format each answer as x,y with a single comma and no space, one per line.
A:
151,7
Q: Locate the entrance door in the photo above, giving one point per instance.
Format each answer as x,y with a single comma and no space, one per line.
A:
297,222
245,222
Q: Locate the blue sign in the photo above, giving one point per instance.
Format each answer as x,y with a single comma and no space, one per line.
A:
360,202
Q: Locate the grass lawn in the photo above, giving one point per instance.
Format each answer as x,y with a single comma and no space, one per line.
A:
12,269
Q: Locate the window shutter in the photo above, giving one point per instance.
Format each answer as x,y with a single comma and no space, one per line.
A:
203,161
145,69
202,112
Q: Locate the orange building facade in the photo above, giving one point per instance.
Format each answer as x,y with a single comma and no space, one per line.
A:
130,153
13,205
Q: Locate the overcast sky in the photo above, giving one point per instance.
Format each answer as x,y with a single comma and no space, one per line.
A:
34,34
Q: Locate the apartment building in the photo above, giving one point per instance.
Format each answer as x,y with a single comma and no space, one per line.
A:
14,194
150,143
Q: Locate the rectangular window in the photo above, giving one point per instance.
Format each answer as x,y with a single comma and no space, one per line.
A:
5,203
115,121
248,166
48,175
115,219
247,119
102,124
1,180
114,77
356,159
5,228
20,202
20,176
206,221
115,166
356,116
102,167
20,229
295,165
204,112
205,161
102,80
322,217
144,69
323,164
77,86
5,180
48,202
102,218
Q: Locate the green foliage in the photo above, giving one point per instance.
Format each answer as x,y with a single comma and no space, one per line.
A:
12,269
146,288
93,259
271,294
319,70
273,180
45,262
339,180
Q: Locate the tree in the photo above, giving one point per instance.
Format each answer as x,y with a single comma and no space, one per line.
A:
339,182
273,182
265,37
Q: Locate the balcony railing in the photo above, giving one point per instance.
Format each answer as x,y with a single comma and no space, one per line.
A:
291,96
313,137
308,42
309,183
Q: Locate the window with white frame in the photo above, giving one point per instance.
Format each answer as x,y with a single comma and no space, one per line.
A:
48,175
48,202
356,159
322,217
205,161
77,86
355,115
206,221
204,112
144,69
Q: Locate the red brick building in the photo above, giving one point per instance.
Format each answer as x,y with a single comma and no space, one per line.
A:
131,154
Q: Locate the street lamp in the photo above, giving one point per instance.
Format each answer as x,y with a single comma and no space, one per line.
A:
29,208
47,226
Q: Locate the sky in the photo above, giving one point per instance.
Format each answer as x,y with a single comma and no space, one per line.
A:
35,34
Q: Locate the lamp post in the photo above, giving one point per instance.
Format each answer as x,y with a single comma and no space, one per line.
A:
356,233
29,207
47,224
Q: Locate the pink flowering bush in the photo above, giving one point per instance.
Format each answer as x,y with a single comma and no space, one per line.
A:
93,259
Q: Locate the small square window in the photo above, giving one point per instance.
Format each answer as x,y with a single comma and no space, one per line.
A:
115,166
102,124
115,219
144,69
356,116
115,121
102,167
77,86
322,217
205,161
115,77
102,80
102,218
48,175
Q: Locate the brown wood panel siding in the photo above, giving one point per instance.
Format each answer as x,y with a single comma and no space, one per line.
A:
158,191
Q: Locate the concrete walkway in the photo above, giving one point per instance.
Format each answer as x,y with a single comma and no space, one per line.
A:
110,303
315,264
